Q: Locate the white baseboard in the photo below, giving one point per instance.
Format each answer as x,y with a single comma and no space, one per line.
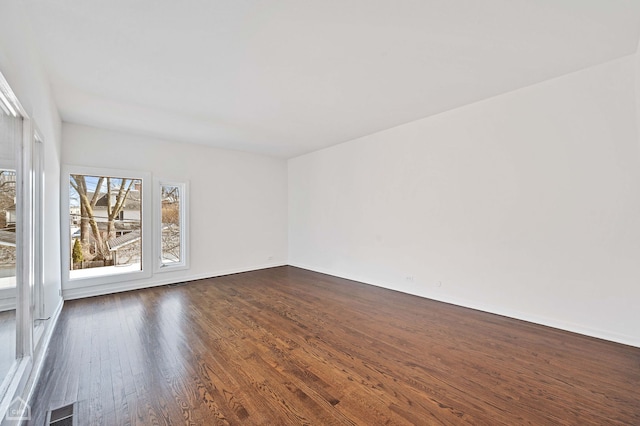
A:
523,316
28,371
41,351
99,290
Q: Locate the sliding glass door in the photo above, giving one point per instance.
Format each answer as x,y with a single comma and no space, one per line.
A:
11,126
21,253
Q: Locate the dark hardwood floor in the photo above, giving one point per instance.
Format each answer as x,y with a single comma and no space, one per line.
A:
289,346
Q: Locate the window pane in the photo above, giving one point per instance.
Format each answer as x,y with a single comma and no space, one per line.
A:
171,251
105,215
7,270
7,229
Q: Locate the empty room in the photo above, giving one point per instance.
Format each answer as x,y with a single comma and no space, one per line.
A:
312,212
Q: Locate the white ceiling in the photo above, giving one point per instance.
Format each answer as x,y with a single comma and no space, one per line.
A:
286,77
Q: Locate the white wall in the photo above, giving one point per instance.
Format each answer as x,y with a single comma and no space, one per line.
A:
526,205
20,65
238,201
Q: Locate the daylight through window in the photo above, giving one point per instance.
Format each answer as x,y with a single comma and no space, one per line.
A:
105,223
7,228
172,232
171,225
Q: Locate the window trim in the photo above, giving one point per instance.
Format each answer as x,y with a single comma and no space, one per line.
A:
39,206
184,225
147,226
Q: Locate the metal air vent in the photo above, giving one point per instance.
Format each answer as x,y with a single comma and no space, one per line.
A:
63,416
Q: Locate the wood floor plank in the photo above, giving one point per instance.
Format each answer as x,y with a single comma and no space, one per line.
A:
289,346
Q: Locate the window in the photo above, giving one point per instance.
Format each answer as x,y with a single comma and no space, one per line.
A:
7,228
106,225
171,229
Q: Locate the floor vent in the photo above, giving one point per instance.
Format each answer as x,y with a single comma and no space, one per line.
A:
63,416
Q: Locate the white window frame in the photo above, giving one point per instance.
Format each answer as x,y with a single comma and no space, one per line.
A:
184,225
38,158
147,227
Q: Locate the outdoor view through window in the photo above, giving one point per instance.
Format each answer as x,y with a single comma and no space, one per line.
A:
7,229
171,238
105,215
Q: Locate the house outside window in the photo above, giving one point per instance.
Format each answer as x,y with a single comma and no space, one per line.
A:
107,221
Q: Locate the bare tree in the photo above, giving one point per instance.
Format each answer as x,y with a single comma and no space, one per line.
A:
114,210
7,192
88,223
88,200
